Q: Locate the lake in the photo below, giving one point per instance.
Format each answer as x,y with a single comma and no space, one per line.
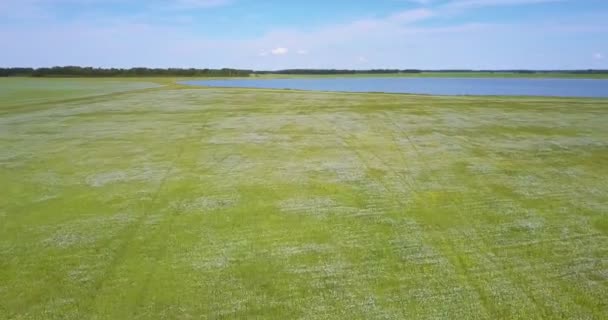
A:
434,86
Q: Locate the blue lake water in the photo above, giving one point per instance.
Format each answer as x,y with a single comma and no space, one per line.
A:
434,86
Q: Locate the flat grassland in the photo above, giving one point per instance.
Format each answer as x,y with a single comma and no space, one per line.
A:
143,199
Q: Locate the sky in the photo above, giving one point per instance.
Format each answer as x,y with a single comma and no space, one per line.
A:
281,34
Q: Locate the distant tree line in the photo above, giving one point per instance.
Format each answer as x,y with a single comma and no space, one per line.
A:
73,71
524,71
337,71
385,71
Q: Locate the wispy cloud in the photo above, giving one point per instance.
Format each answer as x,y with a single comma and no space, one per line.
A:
598,56
199,4
410,16
470,4
279,51
421,2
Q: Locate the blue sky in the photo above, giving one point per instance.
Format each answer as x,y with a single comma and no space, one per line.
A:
274,34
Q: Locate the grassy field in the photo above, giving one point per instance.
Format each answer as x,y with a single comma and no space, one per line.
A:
131,200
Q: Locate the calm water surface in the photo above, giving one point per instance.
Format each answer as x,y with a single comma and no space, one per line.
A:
435,86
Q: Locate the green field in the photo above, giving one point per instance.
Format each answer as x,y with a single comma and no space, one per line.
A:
125,199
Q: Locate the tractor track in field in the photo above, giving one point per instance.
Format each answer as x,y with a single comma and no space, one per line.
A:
515,277
166,226
345,137
129,236
482,246
137,224
451,255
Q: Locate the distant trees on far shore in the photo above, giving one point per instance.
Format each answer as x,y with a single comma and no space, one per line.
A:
337,71
74,71
387,71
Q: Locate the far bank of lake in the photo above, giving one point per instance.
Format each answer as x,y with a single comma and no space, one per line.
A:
591,88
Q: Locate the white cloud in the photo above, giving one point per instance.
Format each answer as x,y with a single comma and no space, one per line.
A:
470,4
302,52
598,56
421,2
279,51
201,4
410,16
